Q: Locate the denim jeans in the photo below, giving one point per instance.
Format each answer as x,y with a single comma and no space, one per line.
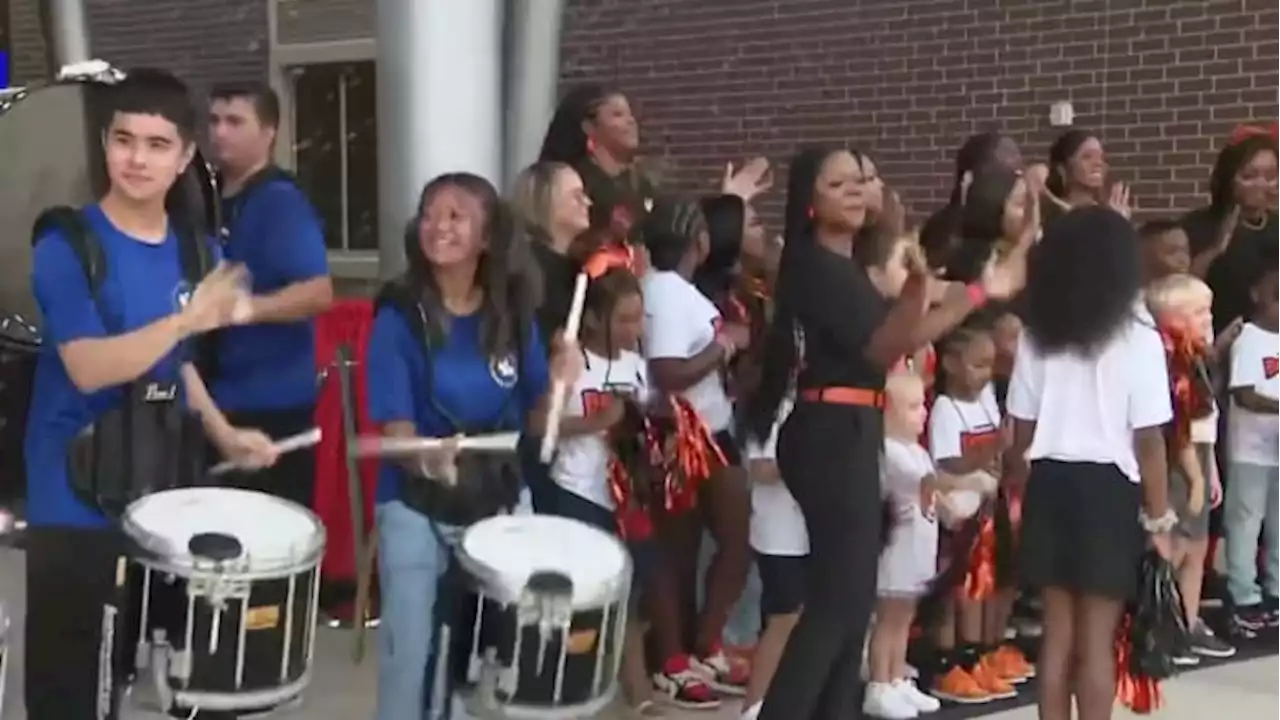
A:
411,559
1253,493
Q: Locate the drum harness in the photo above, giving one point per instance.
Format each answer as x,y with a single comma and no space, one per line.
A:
546,601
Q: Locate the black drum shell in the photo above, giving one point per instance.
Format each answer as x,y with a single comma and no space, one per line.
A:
589,628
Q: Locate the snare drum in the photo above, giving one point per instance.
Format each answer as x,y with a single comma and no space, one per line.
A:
546,641
242,568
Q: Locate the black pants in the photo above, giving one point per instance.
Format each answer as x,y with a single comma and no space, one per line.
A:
829,456
293,477
79,653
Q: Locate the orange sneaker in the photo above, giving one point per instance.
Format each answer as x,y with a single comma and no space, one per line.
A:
1013,665
987,674
958,686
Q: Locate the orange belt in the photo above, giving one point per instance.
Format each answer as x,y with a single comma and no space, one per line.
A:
835,395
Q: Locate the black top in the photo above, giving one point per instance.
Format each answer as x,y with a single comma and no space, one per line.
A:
558,276
836,309
1232,273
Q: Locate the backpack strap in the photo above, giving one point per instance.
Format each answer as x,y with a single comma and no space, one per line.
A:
265,176
71,225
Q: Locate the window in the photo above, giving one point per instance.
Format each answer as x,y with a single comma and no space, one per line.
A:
335,150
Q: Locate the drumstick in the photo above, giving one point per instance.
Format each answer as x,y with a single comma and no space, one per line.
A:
391,446
284,445
558,389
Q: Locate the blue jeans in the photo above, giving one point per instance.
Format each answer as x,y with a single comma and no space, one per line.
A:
1253,493
411,559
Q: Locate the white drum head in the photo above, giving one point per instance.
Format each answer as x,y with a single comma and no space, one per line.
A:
275,534
509,548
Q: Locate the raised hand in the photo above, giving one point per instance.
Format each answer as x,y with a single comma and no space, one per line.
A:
753,179
217,299
1121,200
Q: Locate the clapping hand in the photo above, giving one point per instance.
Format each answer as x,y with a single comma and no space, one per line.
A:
217,299
1121,200
753,179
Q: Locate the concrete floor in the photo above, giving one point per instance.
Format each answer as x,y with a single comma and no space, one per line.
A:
343,691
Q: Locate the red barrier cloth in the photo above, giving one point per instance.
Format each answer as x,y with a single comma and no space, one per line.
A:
349,323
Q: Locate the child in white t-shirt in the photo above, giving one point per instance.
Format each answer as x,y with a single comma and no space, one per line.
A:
1253,483
614,377
975,663
780,541
909,560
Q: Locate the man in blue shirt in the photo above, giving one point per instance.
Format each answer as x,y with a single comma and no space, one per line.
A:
133,326
266,371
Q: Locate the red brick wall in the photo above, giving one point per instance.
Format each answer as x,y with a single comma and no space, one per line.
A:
203,42
1162,81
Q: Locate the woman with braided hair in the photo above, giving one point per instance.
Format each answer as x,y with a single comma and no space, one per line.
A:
837,336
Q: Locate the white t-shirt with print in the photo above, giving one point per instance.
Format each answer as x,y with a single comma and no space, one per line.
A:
582,462
1254,357
1087,407
777,525
955,425
680,322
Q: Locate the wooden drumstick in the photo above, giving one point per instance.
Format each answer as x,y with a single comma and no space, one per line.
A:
558,388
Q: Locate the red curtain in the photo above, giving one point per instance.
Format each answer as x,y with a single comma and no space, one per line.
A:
348,323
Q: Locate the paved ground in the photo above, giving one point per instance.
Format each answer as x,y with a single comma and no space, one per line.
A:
343,691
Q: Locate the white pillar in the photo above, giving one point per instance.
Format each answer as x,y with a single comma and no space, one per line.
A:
533,75
439,104
67,32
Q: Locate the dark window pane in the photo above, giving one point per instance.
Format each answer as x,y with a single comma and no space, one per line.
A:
362,157
316,143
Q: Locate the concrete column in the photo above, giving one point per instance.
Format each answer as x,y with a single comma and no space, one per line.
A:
439,104
533,75
66,31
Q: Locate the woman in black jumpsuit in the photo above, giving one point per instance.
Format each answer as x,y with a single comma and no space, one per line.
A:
834,329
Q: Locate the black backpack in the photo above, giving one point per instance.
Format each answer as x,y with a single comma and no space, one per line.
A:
488,483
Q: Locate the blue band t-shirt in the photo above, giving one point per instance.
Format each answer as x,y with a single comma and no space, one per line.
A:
474,389
143,283
277,234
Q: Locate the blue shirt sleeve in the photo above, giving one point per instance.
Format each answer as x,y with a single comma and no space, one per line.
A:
290,231
62,291
535,373
389,390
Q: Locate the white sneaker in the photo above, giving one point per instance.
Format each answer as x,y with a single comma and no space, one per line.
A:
918,700
752,712
884,701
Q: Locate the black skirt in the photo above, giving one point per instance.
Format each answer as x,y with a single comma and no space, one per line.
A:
1080,529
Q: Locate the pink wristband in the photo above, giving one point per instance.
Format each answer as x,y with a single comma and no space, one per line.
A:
976,294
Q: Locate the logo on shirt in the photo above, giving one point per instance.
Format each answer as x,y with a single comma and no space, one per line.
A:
1270,367
504,371
182,294
973,439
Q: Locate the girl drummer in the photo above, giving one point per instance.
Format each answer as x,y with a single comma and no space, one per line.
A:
461,354
829,447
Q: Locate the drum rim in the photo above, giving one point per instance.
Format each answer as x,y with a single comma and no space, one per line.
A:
244,566
616,589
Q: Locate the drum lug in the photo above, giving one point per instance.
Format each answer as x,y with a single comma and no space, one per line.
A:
162,656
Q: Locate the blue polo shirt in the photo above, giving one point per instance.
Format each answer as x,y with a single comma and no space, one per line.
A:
277,234
483,394
143,283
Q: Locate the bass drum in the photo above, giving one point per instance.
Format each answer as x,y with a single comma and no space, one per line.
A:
51,142
51,154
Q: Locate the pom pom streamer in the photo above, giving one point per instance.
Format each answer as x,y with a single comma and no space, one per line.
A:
1151,633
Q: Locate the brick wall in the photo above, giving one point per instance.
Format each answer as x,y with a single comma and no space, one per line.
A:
202,42
1162,81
